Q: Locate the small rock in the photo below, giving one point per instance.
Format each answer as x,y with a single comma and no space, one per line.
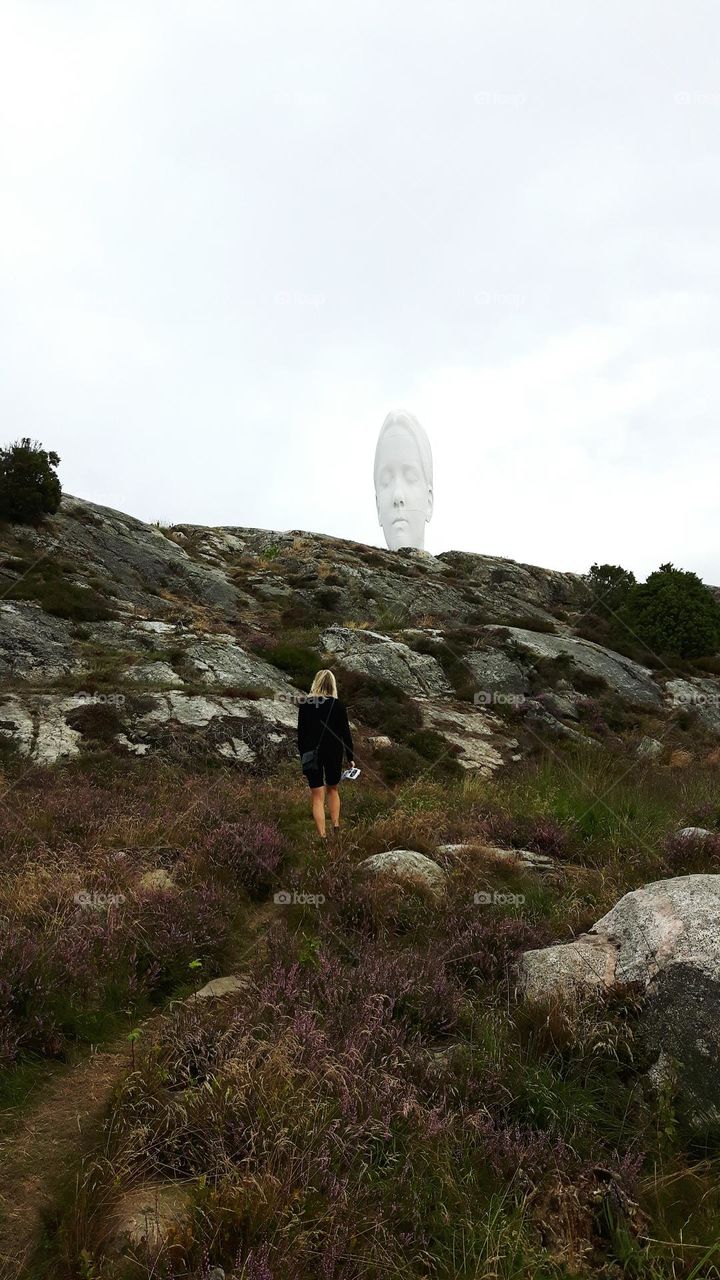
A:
406,868
380,743
146,1217
157,879
154,673
527,857
696,834
226,986
649,749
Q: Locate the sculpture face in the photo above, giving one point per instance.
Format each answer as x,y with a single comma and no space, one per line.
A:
403,487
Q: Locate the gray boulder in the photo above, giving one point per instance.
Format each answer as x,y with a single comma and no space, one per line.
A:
696,834
665,939
375,655
407,869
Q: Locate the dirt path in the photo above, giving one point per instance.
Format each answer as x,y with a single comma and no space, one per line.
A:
39,1144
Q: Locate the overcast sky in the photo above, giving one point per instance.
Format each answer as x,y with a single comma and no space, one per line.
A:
234,234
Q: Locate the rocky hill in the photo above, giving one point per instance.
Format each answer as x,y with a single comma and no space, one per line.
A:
478,1025
119,635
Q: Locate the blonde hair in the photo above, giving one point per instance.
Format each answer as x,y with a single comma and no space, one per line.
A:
324,684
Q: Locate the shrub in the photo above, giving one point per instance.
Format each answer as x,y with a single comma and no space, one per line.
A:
379,705
29,486
674,612
249,850
397,764
610,586
299,661
46,583
98,721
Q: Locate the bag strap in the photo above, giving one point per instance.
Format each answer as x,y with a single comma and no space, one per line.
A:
325,725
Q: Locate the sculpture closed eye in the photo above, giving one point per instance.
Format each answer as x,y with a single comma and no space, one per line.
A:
403,481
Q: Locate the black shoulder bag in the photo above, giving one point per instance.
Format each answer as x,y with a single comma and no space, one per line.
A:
310,760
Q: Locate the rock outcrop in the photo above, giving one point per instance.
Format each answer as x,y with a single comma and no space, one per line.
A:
120,635
369,653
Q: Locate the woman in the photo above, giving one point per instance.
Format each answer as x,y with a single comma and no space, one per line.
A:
323,725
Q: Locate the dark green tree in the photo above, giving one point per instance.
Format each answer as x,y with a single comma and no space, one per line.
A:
674,613
609,585
29,485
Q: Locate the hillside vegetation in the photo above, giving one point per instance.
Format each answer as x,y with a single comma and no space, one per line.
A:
313,1072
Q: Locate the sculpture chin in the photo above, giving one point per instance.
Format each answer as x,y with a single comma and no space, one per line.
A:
401,534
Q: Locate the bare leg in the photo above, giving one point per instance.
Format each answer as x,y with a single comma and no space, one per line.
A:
318,808
333,797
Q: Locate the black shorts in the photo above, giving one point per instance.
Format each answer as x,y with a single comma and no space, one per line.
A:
328,774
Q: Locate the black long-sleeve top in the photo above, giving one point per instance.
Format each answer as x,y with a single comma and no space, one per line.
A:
312,715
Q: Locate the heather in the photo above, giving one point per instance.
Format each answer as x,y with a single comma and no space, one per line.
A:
89,935
376,1101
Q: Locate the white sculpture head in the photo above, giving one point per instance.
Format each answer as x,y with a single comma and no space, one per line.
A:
403,481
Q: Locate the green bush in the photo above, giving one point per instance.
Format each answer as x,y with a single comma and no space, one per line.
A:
378,704
398,764
610,586
298,660
29,486
674,613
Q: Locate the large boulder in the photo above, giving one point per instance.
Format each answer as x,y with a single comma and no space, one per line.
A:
663,938
629,680
372,654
